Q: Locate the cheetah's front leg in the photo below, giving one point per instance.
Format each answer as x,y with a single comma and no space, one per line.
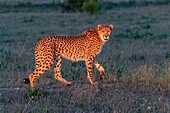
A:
100,69
89,66
57,73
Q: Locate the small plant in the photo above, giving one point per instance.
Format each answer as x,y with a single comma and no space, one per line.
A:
167,55
163,36
34,95
146,26
92,6
120,73
136,57
5,58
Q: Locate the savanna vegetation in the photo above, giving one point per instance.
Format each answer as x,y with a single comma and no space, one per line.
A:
136,58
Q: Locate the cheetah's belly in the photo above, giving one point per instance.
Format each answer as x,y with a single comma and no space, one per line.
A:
73,55
72,58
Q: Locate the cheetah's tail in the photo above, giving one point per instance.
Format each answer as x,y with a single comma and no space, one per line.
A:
26,81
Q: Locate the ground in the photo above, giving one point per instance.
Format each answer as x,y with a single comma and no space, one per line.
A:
136,60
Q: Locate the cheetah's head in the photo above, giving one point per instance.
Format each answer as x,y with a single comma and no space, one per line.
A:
104,32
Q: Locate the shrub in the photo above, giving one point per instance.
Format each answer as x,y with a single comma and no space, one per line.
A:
92,6
73,5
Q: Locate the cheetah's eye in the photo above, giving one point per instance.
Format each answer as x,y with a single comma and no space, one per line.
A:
106,36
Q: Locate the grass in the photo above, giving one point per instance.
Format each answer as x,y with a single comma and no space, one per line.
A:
136,61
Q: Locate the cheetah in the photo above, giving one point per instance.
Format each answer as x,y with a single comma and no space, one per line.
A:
85,47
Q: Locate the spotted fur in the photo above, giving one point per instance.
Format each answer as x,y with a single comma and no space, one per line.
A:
84,47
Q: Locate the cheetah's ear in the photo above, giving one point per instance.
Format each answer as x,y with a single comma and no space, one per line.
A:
99,26
111,26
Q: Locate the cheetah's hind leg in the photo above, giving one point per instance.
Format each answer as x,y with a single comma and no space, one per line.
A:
33,76
57,73
42,65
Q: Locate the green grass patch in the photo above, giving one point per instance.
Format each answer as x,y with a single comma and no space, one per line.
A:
136,34
108,5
